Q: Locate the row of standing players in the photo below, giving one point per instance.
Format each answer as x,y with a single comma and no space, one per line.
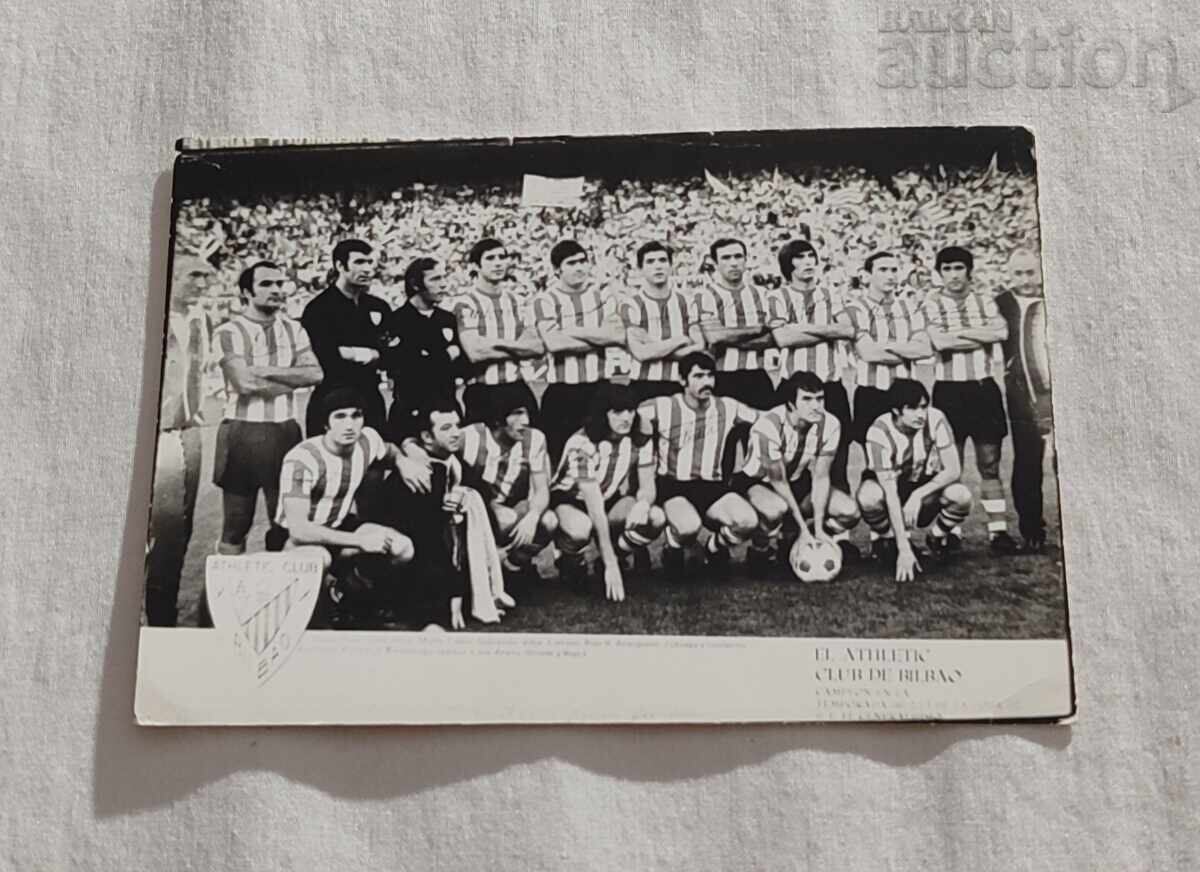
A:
347,335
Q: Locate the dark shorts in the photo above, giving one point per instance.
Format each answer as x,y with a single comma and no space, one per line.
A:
572,498
701,494
249,454
869,404
930,506
750,386
801,487
974,409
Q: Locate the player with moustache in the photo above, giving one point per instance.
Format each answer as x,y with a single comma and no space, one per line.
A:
735,320
661,325
495,333
345,323
186,355
690,432
966,329
811,332
505,459
265,358
577,322
787,475
320,485
594,496
1027,392
912,478
423,354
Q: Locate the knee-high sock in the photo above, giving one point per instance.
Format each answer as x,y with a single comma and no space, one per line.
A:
991,493
725,537
947,521
878,521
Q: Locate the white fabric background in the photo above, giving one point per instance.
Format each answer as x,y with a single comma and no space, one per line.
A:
92,96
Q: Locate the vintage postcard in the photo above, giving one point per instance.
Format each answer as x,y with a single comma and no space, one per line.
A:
729,427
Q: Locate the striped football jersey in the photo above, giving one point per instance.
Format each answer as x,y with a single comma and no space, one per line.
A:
897,321
279,342
790,306
506,470
327,480
773,438
608,463
500,317
744,308
947,312
690,442
556,308
661,319
914,457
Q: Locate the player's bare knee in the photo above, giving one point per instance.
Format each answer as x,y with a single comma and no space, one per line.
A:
686,529
657,518
548,523
987,459
575,531
743,519
844,510
404,550
870,497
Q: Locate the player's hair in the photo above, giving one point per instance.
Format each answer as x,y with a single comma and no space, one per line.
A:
414,276
503,400
563,249
340,398
906,392
869,263
347,247
608,398
443,405
696,360
723,243
185,263
482,247
954,254
798,381
246,279
652,246
791,250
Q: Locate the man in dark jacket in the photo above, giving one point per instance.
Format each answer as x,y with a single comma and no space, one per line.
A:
1027,389
422,353
434,584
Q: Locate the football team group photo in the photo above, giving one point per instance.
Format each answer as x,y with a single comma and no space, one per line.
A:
771,384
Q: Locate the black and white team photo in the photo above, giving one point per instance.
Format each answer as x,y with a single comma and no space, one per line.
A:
781,384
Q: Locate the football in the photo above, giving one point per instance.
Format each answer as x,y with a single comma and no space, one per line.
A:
816,561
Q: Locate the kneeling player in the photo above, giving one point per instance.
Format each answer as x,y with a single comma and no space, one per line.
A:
912,477
506,460
786,475
590,492
319,483
691,430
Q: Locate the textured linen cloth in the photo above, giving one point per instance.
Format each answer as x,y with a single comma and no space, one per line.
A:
92,97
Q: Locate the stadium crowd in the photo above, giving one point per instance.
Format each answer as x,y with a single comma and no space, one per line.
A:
846,212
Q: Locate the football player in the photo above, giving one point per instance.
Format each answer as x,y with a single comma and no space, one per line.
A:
591,492
787,474
912,478
494,332
265,357
690,431
576,322
320,484
965,329
661,326
505,459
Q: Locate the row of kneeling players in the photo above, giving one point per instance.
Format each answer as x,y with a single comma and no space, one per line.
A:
391,526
